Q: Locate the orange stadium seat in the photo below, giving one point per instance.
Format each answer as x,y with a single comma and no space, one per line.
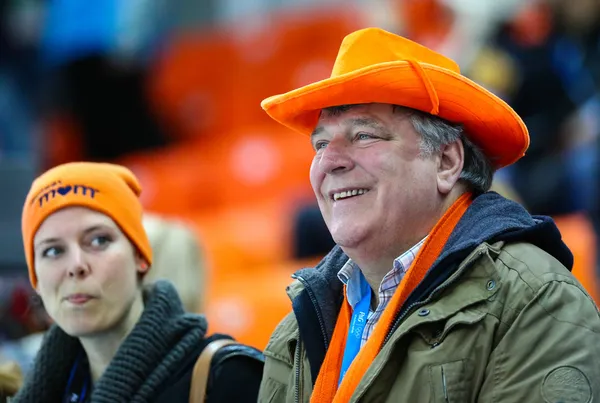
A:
293,48
194,81
260,163
227,169
250,304
172,179
236,238
212,81
579,235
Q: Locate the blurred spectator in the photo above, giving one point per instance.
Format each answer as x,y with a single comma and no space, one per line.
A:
22,351
109,106
177,258
19,76
311,236
97,57
22,313
23,321
11,379
550,56
546,64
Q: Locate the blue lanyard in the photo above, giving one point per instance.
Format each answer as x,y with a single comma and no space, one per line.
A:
357,326
78,381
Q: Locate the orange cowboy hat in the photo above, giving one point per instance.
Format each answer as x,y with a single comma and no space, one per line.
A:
375,66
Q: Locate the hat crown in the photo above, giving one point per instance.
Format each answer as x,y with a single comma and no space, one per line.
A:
372,46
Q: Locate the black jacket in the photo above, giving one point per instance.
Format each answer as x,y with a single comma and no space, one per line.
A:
154,364
236,373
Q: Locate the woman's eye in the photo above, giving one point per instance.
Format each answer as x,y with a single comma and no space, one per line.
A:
100,241
52,251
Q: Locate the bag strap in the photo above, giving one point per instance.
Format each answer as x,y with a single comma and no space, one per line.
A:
202,369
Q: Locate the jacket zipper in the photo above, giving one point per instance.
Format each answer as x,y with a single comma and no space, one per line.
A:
316,306
298,359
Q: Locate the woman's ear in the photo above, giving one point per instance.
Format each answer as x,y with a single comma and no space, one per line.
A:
142,264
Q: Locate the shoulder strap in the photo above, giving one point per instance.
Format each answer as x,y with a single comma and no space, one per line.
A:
202,369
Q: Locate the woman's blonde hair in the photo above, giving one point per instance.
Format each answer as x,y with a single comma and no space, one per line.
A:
11,379
177,258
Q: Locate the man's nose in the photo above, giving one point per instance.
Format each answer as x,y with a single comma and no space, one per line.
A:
336,157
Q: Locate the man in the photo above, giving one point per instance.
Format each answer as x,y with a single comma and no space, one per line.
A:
438,290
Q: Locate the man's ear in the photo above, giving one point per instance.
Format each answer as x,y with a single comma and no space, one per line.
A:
450,165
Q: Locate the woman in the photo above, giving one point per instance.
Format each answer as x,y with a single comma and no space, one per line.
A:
113,340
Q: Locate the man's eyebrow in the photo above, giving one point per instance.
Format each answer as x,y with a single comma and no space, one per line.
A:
366,122
318,130
363,122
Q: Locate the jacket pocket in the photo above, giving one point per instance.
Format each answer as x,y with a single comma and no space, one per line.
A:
434,333
274,391
448,382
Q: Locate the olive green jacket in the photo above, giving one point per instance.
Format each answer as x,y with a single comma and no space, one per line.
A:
499,318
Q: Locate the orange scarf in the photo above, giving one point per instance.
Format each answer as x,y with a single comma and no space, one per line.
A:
326,388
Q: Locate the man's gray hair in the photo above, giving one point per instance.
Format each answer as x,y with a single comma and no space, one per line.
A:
436,132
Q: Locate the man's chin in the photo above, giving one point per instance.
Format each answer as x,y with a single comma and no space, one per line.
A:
349,242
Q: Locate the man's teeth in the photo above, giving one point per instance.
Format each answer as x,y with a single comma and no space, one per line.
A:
348,193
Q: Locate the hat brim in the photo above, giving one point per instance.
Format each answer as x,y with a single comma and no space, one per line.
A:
488,121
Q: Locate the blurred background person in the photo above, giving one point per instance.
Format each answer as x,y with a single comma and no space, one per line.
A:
551,78
23,323
177,258
545,63
11,379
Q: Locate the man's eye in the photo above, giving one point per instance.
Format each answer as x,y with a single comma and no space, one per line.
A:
320,145
364,136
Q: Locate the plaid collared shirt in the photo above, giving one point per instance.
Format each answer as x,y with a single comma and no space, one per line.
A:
350,275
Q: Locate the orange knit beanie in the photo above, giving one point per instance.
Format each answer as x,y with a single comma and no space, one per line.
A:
109,189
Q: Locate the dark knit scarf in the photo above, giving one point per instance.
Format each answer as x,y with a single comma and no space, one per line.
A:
161,340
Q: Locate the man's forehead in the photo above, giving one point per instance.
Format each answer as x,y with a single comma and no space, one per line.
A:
348,116
339,109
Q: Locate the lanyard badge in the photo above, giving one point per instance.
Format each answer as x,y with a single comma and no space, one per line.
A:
358,322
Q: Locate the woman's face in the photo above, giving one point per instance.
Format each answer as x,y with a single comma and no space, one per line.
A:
87,271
